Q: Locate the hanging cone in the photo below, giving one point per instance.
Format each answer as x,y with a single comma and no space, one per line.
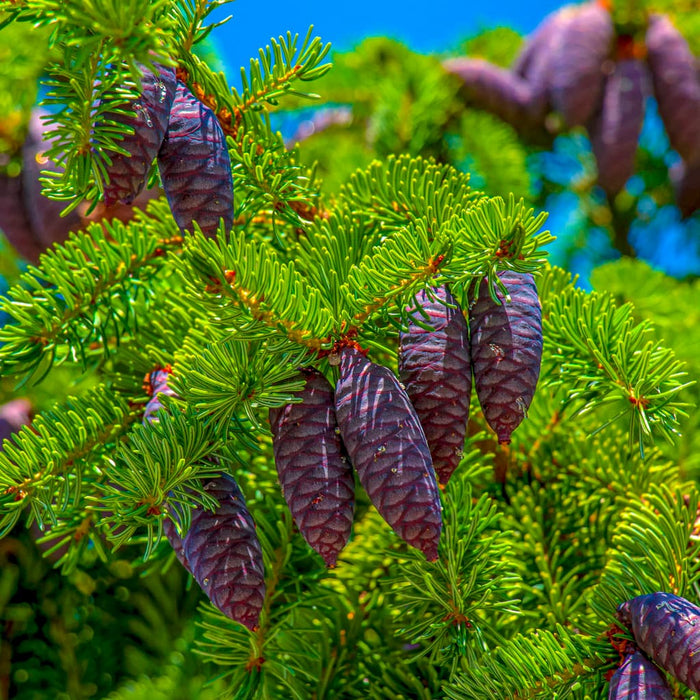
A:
667,629
127,173
496,90
676,86
14,222
615,130
225,556
506,350
577,81
195,167
387,447
315,475
435,368
638,679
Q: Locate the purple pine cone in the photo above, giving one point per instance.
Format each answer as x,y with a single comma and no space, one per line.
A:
44,214
638,679
14,222
535,62
577,81
667,629
676,86
127,174
498,91
195,167
435,368
175,540
506,350
686,183
225,556
614,130
316,476
387,446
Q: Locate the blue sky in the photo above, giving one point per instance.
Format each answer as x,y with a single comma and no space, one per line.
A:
437,25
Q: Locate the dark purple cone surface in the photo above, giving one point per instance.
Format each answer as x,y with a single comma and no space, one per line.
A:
667,629
195,167
14,222
387,447
127,174
506,350
44,214
496,90
225,556
577,81
686,183
676,86
176,541
535,63
536,51
614,130
315,475
638,679
435,368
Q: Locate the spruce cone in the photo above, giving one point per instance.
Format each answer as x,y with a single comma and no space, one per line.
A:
195,167
127,174
225,556
44,214
638,679
577,78
676,86
506,349
667,629
498,91
386,444
435,368
615,130
535,63
316,476
14,222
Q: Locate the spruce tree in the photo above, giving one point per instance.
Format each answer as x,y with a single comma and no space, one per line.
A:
593,502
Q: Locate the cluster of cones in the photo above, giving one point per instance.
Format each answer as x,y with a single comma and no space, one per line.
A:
666,632
577,64
169,124
397,436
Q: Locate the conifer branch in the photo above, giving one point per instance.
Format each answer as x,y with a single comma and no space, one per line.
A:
38,463
533,665
604,358
653,549
82,293
251,290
